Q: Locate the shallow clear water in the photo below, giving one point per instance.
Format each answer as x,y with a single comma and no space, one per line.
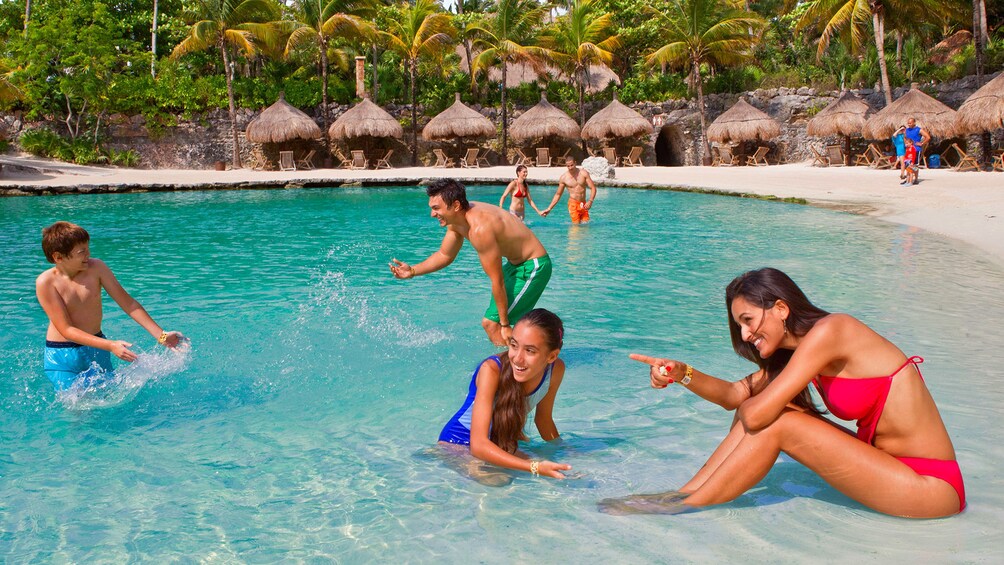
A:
297,427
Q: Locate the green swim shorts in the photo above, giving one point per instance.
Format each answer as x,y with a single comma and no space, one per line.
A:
524,283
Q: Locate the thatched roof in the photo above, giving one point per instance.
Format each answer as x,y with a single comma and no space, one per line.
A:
544,120
598,77
935,117
365,119
743,122
281,122
458,120
845,116
984,110
616,120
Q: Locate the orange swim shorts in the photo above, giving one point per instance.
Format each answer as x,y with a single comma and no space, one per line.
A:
578,211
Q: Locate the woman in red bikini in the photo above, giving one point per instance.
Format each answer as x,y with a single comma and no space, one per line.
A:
900,461
520,191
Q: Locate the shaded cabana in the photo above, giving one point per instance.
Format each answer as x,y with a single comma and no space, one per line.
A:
984,110
280,123
615,120
544,121
845,116
365,119
458,122
743,122
935,117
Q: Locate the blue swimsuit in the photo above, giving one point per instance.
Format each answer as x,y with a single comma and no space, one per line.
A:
458,429
66,361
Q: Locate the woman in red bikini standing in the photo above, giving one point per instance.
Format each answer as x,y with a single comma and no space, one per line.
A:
900,461
520,191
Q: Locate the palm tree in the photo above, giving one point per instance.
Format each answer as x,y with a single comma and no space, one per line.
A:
224,24
421,31
580,38
506,36
705,32
317,22
832,17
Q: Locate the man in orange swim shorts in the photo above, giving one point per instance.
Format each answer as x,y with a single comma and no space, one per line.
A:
576,180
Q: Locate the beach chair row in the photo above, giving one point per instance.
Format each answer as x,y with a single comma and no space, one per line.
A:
872,156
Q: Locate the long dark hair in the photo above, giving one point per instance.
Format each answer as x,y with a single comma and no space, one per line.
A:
763,288
509,413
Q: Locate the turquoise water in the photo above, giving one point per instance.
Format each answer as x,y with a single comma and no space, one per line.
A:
298,426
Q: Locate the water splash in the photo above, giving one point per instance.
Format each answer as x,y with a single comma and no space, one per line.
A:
333,294
101,389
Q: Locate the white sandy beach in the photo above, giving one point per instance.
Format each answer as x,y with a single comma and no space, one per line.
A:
965,206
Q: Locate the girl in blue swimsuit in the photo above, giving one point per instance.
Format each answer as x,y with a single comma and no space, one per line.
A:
504,389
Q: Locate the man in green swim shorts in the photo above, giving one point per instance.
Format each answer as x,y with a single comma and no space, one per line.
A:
495,234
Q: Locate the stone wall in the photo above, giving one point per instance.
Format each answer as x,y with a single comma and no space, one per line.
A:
204,140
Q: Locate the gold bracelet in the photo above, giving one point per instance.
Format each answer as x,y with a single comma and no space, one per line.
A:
162,339
534,468
689,374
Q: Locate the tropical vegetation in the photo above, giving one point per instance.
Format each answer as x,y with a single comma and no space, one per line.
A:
76,65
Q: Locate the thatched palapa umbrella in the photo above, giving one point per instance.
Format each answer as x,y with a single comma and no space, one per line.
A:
615,120
544,120
845,116
280,123
984,110
459,120
935,117
743,122
365,119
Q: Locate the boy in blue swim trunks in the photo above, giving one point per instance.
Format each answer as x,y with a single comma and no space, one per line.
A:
495,234
70,294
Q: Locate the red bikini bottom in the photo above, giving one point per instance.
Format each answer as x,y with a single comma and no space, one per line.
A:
947,471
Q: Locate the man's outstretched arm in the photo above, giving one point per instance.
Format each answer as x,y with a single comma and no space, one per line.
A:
448,250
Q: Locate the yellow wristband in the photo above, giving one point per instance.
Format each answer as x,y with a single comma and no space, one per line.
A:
534,468
689,374
163,338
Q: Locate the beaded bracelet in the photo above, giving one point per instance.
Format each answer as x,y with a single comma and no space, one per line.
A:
534,468
163,338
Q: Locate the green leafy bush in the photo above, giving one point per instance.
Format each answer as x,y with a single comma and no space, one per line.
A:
41,142
127,158
652,86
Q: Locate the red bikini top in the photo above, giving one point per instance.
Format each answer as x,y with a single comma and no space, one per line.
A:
860,399
519,192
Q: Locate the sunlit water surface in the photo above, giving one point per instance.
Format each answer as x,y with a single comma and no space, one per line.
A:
298,425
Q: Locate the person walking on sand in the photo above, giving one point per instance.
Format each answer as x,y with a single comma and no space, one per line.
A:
495,234
576,180
899,145
520,192
76,351
920,137
910,163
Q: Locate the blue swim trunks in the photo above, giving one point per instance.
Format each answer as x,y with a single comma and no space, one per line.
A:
65,362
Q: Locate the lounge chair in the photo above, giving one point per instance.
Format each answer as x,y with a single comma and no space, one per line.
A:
835,155
359,160
759,158
470,159
564,156
307,162
286,161
343,161
483,159
966,162
543,157
257,161
716,157
610,153
726,157
634,158
442,160
522,159
818,158
384,162
999,162
869,157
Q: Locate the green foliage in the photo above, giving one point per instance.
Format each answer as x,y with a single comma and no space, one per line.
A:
82,150
127,158
738,79
41,142
655,86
